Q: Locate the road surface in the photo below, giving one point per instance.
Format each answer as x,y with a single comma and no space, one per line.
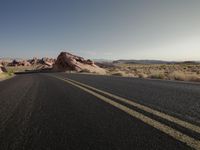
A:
76,111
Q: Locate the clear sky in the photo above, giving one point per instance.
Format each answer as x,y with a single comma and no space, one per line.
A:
109,29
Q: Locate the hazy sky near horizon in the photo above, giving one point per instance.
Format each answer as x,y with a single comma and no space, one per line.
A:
109,29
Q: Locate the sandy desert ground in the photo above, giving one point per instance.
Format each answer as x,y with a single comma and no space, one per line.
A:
182,72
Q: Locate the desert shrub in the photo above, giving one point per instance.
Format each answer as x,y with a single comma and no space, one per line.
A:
119,73
142,75
10,72
85,71
157,75
193,77
5,75
177,75
163,67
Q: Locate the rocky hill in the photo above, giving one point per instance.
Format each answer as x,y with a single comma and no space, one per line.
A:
66,61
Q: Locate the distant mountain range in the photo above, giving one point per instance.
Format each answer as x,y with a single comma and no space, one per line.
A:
153,62
102,60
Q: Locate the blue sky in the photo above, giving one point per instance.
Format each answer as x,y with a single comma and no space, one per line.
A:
109,29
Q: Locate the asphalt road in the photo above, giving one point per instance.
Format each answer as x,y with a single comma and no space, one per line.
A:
42,112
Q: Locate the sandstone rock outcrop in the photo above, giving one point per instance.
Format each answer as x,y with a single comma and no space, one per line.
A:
2,68
20,63
67,61
47,61
44,61
33,61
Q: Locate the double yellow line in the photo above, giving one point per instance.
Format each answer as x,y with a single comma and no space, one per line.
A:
154,123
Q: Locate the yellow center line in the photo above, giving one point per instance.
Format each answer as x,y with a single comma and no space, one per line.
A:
162,127
145,108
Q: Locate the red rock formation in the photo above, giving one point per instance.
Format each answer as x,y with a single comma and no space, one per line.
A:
44,61
34,61
47,61
20,63
67,61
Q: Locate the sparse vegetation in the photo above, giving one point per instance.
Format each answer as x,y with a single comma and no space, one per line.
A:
181,72
178,75
5,75
142,75
85,71
20,68
119,73
157,75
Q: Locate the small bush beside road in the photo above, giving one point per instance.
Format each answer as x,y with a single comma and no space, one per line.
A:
5,75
